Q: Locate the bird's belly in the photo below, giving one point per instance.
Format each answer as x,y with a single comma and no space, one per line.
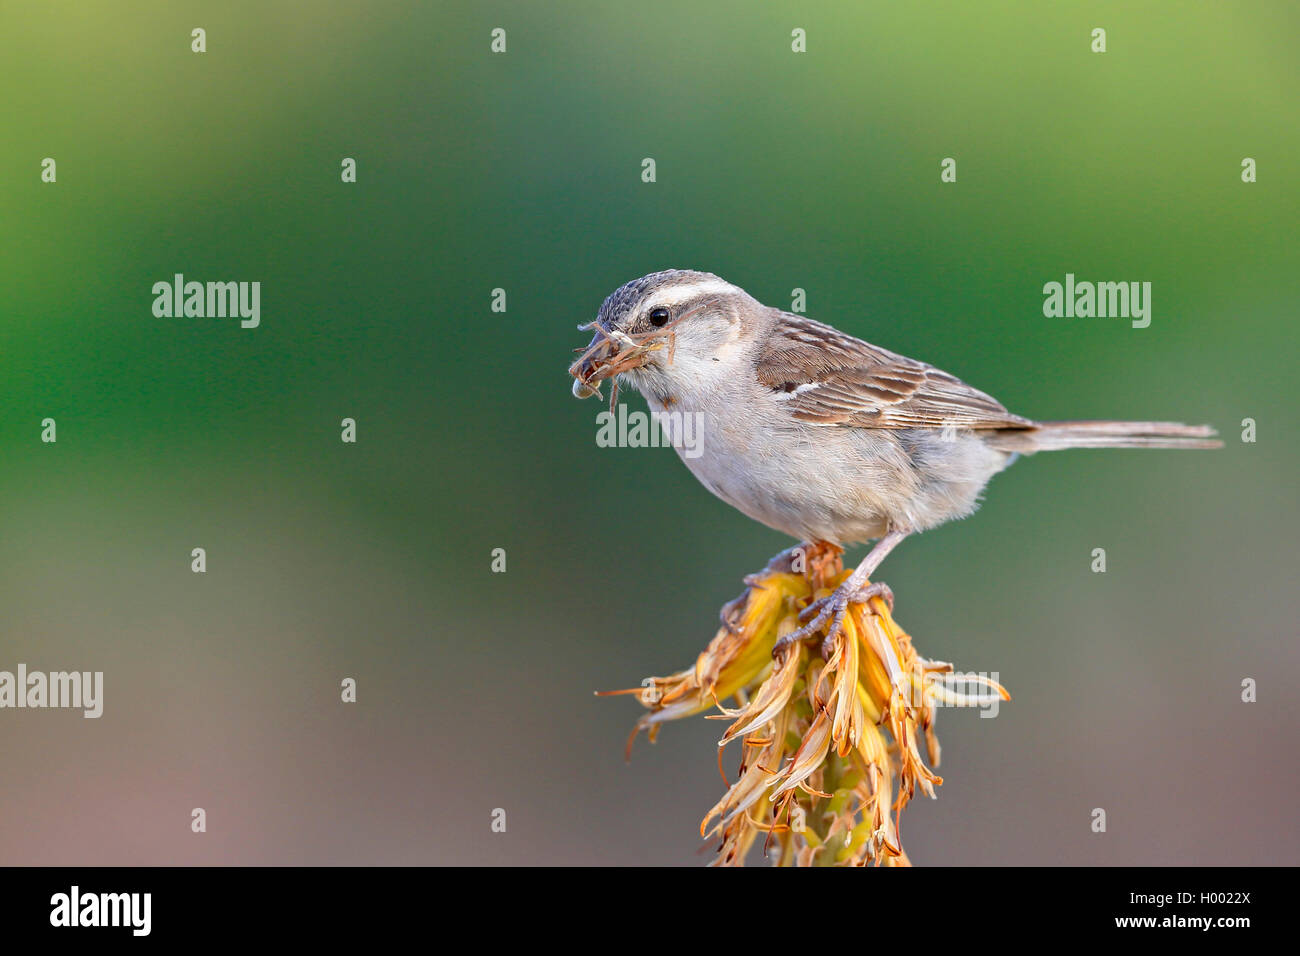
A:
845,485
803,483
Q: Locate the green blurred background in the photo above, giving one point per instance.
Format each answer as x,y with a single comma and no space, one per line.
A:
522,171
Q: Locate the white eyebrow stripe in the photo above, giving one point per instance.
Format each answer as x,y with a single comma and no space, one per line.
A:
677,294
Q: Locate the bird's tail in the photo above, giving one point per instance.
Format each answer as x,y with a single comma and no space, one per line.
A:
1053,436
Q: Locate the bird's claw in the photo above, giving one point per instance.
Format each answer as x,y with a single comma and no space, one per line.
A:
732,610
834,606
875,589
836,603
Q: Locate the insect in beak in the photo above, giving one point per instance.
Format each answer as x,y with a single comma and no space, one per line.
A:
610,353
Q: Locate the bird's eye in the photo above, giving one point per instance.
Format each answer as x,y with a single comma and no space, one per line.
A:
658,317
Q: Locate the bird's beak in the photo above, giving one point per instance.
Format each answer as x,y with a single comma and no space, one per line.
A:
608,354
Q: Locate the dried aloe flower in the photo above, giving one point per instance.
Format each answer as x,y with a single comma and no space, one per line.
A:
829,744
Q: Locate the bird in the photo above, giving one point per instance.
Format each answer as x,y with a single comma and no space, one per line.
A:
818,434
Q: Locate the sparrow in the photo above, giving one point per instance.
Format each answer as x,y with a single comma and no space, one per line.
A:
815,433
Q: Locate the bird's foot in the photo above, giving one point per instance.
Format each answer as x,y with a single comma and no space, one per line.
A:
734,609
833,607
793,560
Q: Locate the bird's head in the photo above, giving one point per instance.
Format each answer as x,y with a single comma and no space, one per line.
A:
665,331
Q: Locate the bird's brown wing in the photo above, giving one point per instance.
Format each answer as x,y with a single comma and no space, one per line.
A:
829,378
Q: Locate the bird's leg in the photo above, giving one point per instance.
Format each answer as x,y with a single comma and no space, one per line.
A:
783,563
792,560
836,604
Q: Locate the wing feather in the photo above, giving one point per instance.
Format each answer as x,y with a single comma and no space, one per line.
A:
829,378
